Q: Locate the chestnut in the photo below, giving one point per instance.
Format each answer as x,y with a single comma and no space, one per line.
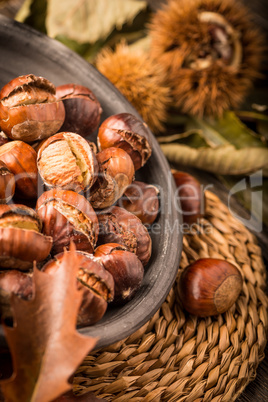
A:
29,110
116,172
94,281
68,216
116,225
126,131
190,197
13,282
3,138
7,183
66,160
209,286
142,200
21,240
125,268
82,109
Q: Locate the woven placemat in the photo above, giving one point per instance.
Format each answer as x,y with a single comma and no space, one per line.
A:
179,357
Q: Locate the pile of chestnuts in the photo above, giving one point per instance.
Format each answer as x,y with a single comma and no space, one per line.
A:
58,187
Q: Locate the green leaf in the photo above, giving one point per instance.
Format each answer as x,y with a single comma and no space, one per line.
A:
234,131
224,160
89,20
213,137
193,138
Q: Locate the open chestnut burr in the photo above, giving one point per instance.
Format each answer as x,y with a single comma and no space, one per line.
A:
116,225
21,240
29,110
82,109
125,268
126,131
67,160
116,172
94,281
67,216
20,159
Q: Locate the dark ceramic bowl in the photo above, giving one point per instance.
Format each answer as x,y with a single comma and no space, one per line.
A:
23,51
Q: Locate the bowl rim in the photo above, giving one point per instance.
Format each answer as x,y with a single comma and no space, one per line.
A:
108,333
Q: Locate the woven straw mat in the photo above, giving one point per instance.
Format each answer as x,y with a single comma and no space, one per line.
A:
179,357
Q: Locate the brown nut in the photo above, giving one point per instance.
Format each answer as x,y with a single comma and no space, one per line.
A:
126,131
3,138
7,183
20,159
66,160
116,172
209,286
141,199
125,267
95,282
116,225
21,242
191,202
29,110
82,109
13,282
67,216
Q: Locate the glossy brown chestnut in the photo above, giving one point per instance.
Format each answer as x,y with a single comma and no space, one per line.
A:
125,267
142,200
82,109
20,159
7,183
209,286
190,199
67,216
21,242
95,282
126,131
116,225
29,110
66,160
116,172
13,282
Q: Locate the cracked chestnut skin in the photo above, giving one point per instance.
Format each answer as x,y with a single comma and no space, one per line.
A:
116,225
29,110
125,267
126,131
68,216
21,240
95,282
82,109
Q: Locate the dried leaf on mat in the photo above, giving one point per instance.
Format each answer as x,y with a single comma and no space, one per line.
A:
221,160
46,348
89,20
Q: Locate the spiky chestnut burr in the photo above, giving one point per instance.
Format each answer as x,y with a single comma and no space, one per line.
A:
140,80
211,52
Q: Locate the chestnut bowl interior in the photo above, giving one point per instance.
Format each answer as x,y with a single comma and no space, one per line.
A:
23,51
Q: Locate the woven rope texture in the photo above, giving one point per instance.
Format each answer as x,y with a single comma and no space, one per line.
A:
179,357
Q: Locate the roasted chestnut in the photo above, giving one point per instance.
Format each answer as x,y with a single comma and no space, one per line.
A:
125,267
126,131
116,225
66,160
13,282
21,240
191,201
141,199
29,110
67,216
20,159
209,286
82,109
116,172
94,281
7,183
